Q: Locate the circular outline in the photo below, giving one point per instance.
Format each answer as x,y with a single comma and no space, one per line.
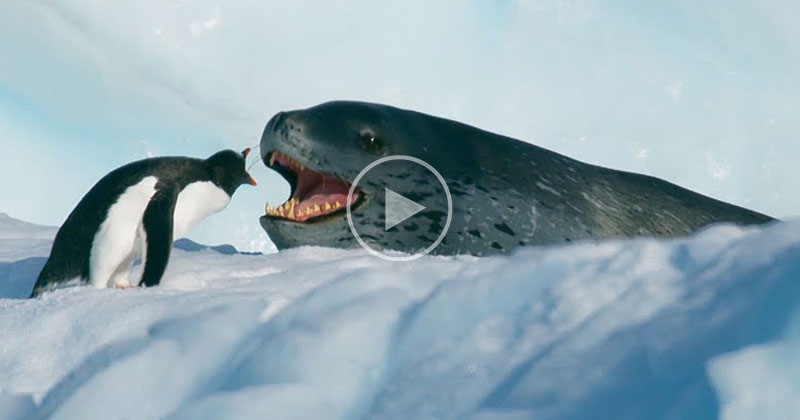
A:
446,191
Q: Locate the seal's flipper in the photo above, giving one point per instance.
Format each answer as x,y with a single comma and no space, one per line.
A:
158,226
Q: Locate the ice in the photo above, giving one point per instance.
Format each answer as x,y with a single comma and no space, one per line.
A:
698,327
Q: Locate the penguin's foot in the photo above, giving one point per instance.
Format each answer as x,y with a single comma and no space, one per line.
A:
125,286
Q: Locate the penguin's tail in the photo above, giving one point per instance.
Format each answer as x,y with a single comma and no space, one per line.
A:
51,278
42,281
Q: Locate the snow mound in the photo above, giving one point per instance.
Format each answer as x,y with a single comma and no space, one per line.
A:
24,248
20,239
699,327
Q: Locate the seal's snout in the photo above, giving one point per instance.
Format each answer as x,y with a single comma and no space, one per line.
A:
276,120
284,128
267,138
285,121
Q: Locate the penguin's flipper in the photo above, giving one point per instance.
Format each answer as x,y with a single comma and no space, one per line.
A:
158,226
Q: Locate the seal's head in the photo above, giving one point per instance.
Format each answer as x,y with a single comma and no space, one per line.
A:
321,150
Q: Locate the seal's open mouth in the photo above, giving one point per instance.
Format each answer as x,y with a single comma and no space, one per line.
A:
314,195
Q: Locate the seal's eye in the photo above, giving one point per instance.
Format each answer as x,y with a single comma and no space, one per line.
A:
370,142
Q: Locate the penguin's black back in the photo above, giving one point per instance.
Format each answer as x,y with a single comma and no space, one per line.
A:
70,255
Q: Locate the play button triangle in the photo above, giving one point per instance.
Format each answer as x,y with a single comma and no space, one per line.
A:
399,208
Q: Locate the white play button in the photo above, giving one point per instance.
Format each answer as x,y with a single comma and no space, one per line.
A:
399,208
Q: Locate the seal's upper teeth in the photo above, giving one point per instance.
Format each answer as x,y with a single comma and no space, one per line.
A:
272,158
327,206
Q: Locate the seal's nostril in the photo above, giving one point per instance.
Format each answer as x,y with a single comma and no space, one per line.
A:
293,125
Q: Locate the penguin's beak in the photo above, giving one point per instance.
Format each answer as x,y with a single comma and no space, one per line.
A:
250,179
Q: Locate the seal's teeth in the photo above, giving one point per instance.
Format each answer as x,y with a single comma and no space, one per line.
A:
297,164
272,158
327,206
316,208
337,204
270,211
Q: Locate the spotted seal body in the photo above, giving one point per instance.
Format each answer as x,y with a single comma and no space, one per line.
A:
506,193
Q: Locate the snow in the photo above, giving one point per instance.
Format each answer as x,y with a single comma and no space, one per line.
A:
21,239
699,327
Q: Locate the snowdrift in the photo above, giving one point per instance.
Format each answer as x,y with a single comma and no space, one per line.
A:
700,327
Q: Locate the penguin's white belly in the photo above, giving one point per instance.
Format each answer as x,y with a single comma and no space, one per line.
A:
197,201
121,237
115,243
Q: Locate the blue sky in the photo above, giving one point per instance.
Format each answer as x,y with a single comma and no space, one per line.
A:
702,93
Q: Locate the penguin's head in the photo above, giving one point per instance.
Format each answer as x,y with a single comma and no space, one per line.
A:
228,170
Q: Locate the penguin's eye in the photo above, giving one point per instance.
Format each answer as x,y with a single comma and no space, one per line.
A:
370,142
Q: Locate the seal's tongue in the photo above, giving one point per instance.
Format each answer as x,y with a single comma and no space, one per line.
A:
314,194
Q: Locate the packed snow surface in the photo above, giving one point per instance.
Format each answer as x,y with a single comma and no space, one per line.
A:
699,327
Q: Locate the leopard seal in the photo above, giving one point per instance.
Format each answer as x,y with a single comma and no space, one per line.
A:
506,193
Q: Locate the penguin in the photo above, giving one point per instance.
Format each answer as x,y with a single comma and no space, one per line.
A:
136,211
